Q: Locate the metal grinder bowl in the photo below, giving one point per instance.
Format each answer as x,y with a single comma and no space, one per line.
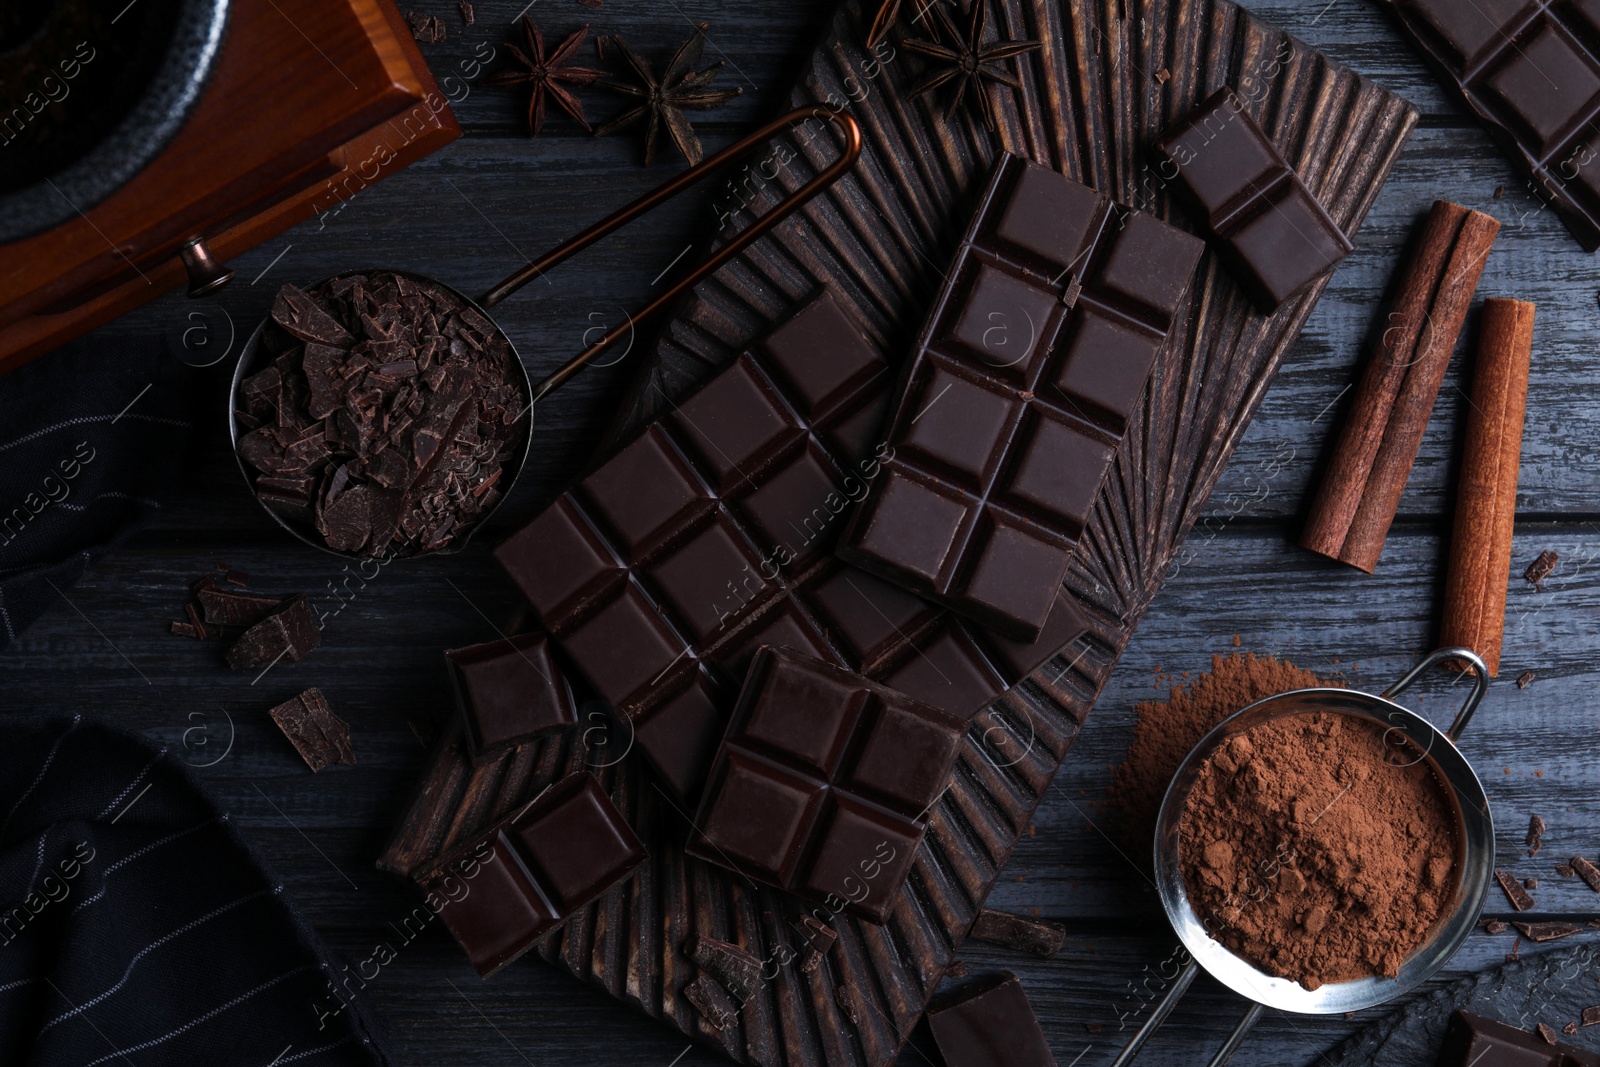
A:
1474,861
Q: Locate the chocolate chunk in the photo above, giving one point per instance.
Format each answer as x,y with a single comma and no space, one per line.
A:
1018,932
302,317
957,969
1476,1041
233,577
738,971
1591,1016
1514,892
1535,836
1587,871
1495,926
716,1008
224,607
1564,870
509,691
1530,883
646,577
987,1022
428,29
319,735
286,635
1525,678
184,629
467,15
1017,394
785,806
1551,931
846,1003
1541,568
1570,1028
1273,234
817,938
532,871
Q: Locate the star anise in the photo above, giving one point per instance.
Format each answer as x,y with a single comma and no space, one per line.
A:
545,73
967,61
665,99
888,14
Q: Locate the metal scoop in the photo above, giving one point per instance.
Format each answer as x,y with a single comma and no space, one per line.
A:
1474,868
255,356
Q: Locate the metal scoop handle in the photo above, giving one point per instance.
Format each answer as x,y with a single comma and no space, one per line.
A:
625,215
1480,684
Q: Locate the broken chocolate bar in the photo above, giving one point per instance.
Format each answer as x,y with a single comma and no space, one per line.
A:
1019,389
1273,234
988,1022
1018,932
1476,1041
319,735
532,871
1514,892
285,636
823,784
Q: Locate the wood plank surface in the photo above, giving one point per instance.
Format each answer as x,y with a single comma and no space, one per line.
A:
1239,573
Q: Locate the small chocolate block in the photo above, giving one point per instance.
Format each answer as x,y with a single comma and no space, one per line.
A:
1271,231
509,691
1474,1041
1034,358
823,783
988,1023
532,871
712,533
1530,71
320,736
286,635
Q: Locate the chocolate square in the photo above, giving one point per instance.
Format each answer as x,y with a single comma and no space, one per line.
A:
823,357
1220,160
577,847
558,563
861,855
1286,246
509,691
948,671
914,527
1149,267
792,508
988,1022
680,735
1105,364
1549,85
902,758
643,492
1016,573
734,425
756,816
868,615
1471,31
960,427
710,580
1003,320
1049,221
624,647
1059,471
803,718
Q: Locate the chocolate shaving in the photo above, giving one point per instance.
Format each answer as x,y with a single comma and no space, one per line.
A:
711,1001
1590,1016
1570,1028
1541,568
738,971
183,629
1551,931
1514,892
194,620
468,17
1525,678
286,635
428,29
1587,871
818,937
1495,926
1018,932
1564,870
1548,1033
1535,837
319,735
841,997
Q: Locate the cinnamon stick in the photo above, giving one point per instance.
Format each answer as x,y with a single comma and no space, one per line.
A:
1360,491
1480,548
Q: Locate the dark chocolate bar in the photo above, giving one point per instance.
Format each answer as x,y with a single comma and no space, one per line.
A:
988,1023
1530,71
823,783
1271,232
1020,387
709,535
1474,1041
509,691
518,880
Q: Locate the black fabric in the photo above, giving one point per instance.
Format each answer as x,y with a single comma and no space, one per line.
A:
136,926
90,438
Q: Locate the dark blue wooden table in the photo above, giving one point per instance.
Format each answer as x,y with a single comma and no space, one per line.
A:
475,210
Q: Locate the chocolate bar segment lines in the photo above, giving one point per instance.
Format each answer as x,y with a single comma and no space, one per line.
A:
1530,69
1021,386
823,784
1272,232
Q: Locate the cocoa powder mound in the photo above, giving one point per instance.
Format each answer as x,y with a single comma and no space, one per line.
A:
1320,847
1167,730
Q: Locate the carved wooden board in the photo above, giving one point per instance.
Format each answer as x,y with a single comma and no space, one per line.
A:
1108,78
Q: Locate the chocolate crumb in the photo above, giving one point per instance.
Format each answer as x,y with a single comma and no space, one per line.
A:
1525,679
1548,1033
1590,1016
1535,837
1564,870
1530,883
738,971
319,735
1514,892
1551,931
1495,926
841,997
1018,932
1163,76
1587,871
1093,1028
1499,192
428,29
468,16
1541,568
1570,1028
957,969
712,1002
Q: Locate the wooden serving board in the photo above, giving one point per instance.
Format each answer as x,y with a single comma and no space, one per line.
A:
1109,77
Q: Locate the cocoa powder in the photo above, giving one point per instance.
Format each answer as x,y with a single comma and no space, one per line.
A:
1321,847
1167,730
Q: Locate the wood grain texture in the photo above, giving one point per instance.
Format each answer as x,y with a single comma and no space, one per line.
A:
1091,101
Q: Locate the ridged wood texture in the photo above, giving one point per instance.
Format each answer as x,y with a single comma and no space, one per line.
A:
1108,78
